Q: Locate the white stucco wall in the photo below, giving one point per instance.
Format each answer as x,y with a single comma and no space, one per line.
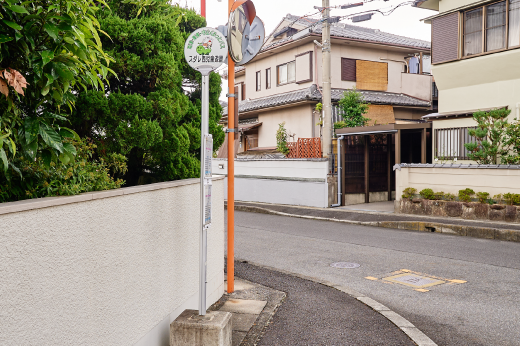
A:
299,120
106,268
451,180
284,181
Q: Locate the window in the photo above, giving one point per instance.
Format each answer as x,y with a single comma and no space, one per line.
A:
473,32
286,73
449,143
268,78
514,23
496,26
348,69
486,28
258,81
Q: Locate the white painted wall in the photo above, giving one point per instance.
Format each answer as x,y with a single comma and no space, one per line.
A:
106,268
284,181
451,180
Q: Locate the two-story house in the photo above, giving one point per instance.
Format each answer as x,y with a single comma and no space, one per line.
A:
476,64
283,82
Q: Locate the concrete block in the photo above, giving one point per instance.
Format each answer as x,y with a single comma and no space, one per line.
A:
190,329
244,306
243,322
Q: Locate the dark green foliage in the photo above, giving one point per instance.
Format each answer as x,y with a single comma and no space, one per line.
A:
490,136
281,139
482,197
439,195
427,194
512,198
409,192
147,114
512,143
353,107
58,179
55,47
465,195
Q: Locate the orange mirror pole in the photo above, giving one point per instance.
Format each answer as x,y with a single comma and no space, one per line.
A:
231,175
203,8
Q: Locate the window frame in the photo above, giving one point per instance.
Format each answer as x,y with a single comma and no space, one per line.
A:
258,80
461,132
278,73
484,29
268,78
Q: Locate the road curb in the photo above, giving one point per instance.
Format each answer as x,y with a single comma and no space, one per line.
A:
402,323
423,226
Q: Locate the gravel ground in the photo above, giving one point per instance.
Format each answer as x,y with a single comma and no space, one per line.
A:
314,314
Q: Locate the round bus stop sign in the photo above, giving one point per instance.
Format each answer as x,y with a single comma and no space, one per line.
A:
205,50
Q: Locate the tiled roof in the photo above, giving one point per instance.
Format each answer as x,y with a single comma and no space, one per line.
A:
384,98
355,32
313,94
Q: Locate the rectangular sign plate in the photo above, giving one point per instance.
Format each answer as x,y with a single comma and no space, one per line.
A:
207,204
208,155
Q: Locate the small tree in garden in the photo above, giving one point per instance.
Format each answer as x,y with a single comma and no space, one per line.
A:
281,139
352,107
512,157
491,136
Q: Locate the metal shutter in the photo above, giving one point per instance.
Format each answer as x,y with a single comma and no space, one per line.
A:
348,69
445,38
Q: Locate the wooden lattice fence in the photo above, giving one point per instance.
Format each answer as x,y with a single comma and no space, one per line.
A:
305,148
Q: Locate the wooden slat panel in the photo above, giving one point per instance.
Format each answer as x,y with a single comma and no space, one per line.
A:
348,69
445,38
371,75
380,115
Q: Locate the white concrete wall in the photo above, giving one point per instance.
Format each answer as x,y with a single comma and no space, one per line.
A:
451,180
284,181
106,268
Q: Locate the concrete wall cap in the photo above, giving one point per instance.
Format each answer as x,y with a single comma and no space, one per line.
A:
46,202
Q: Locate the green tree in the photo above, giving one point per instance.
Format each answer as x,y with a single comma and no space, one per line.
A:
352,107
151,113
281,139
512,142
48,49
491,136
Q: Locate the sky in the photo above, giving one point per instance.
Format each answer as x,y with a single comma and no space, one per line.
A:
403,21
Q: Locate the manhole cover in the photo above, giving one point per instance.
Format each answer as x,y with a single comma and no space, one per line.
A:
413,280
344,265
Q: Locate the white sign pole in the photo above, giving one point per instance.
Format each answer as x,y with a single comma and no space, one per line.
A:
205,51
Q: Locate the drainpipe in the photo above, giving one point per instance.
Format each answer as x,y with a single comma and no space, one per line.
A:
338,142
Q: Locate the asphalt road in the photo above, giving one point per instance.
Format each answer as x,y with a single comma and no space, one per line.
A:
485,310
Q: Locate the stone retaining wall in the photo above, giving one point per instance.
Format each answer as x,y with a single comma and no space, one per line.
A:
465,210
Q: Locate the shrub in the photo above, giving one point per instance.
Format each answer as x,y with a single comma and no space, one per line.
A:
42,179
449,197
438,195
482,197
427,194
281,139
409,192
512,198
465,195
498,198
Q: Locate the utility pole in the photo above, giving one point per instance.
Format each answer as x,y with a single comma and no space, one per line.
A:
327,106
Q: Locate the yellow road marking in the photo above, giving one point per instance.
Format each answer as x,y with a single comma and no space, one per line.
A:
371,278
421,290
458,281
